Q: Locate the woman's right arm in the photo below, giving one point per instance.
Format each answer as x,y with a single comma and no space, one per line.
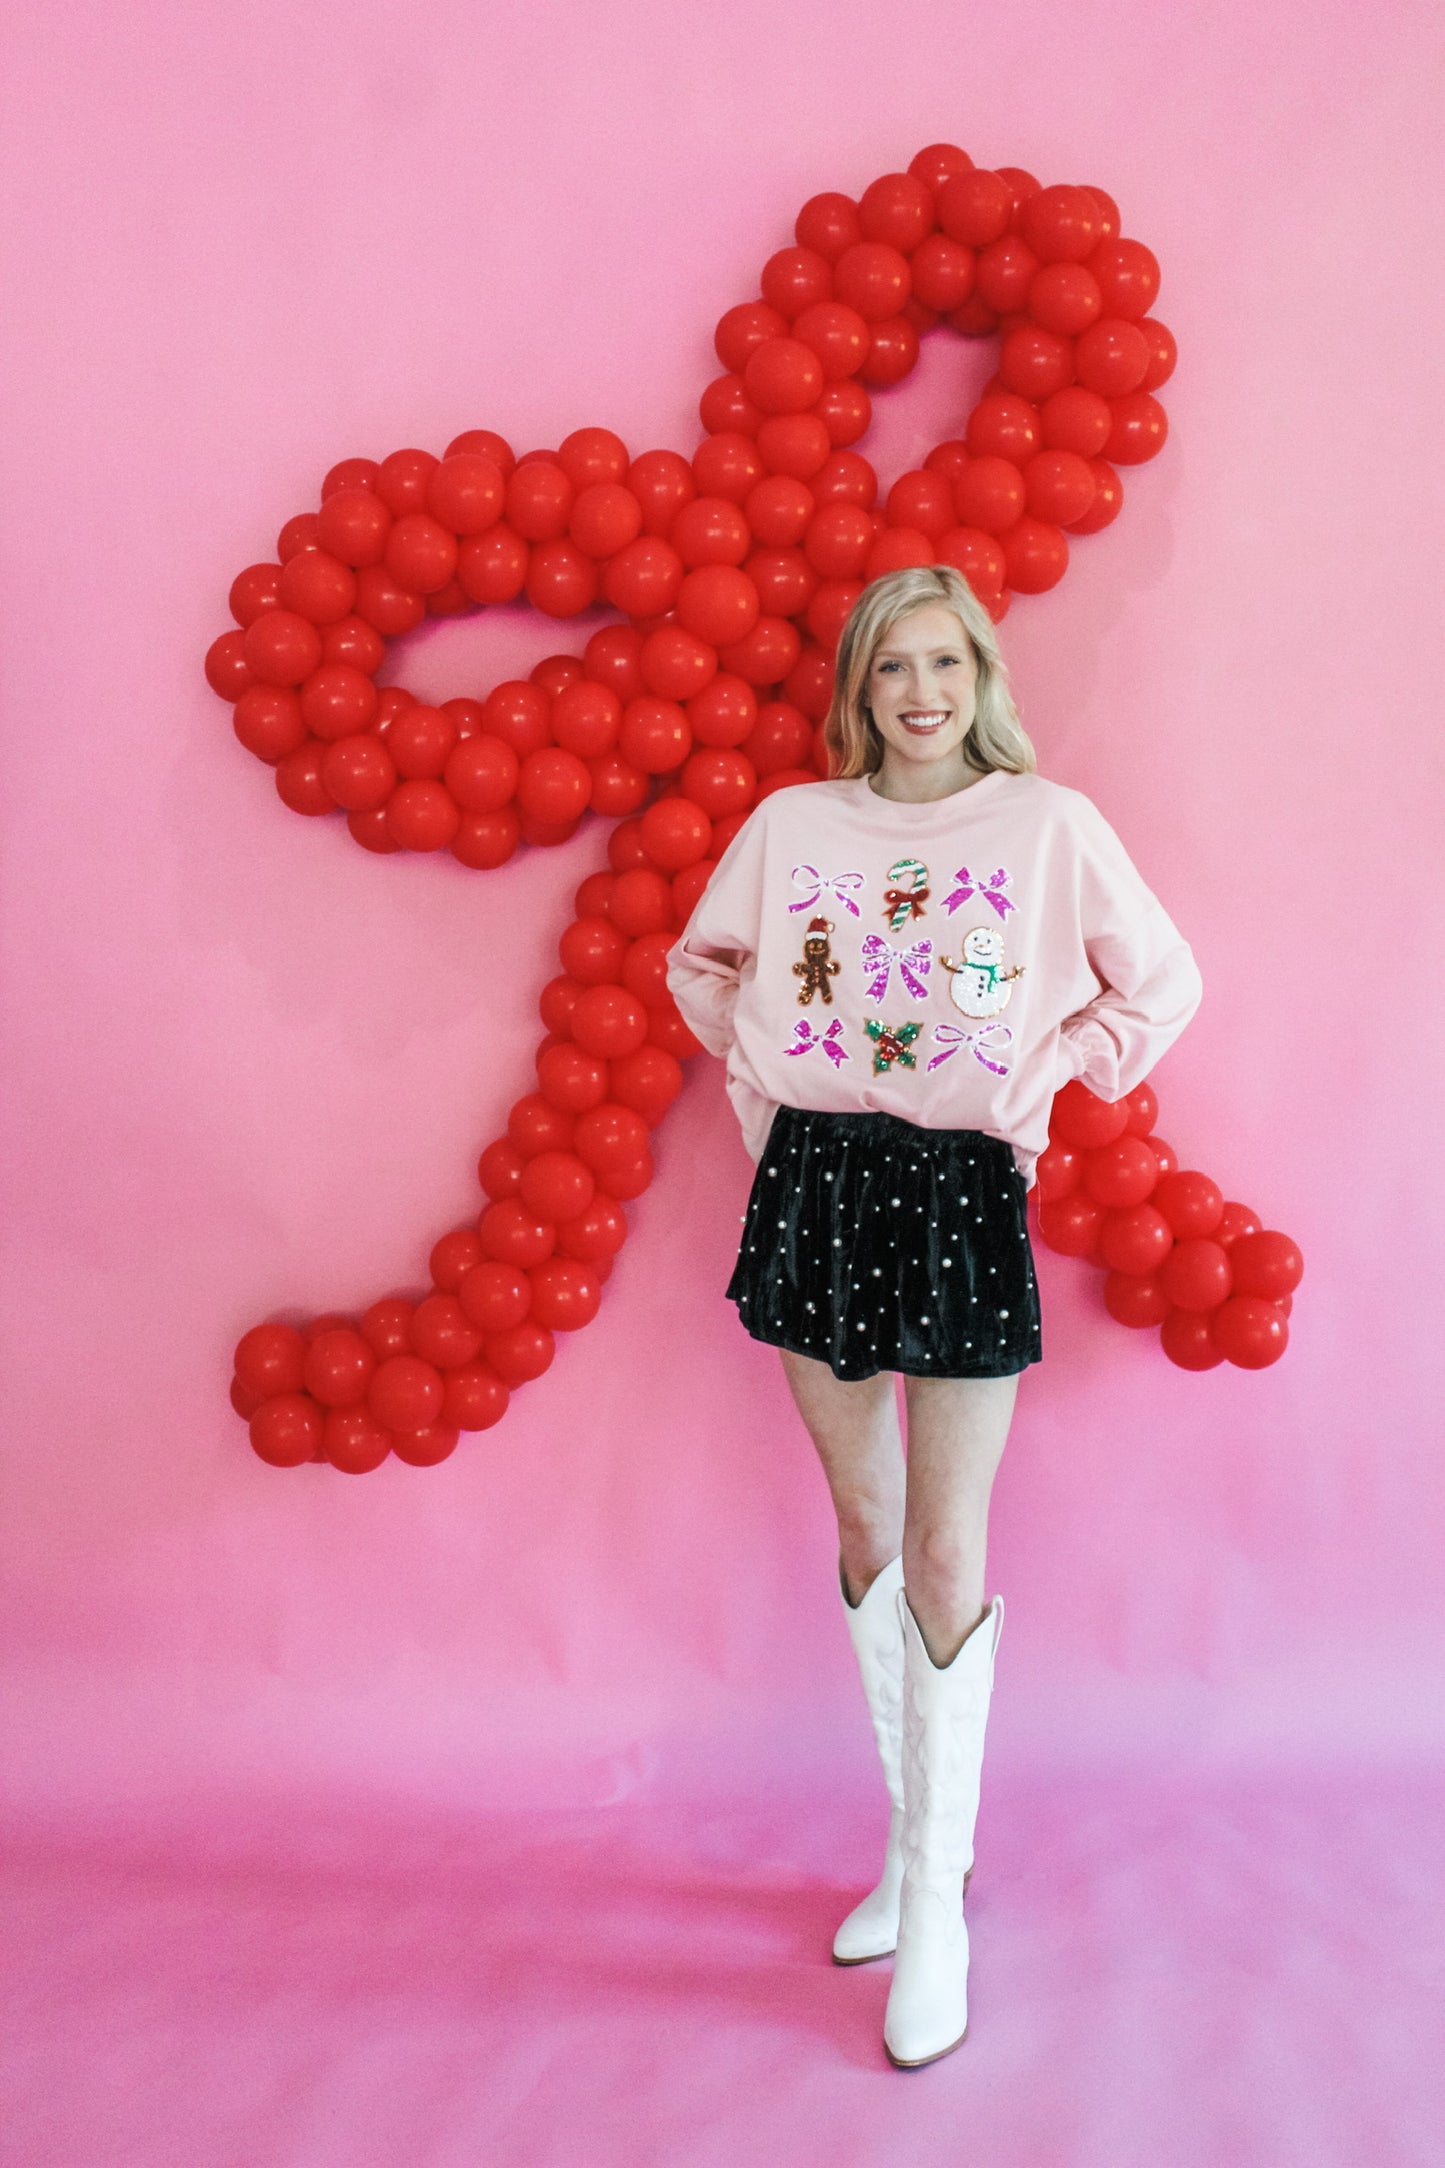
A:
717,947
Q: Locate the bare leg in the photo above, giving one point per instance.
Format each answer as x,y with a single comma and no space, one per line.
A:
855,1429
956,1433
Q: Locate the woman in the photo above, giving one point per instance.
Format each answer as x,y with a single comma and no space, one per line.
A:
902,966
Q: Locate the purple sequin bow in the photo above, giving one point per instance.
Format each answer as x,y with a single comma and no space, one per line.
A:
833,884
990,886
829,1040
948,1039
879,957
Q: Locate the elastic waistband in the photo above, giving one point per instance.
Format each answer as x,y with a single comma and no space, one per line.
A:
878,1127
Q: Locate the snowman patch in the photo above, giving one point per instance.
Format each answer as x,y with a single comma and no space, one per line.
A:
978,985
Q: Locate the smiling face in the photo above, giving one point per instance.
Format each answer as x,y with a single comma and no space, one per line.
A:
920,692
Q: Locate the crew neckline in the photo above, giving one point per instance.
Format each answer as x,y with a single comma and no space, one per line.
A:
954,801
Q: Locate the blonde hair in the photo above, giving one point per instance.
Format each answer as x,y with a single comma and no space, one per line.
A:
996,739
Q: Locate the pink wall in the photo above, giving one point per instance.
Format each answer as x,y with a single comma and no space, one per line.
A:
250,1067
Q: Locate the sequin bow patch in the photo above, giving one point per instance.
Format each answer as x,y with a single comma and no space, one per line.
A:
914,965
830,1041
818,884
990,886
891,1044
948,1039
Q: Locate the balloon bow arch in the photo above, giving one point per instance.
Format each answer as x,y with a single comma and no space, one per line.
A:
732,573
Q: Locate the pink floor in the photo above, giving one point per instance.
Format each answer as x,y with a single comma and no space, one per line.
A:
1187,1977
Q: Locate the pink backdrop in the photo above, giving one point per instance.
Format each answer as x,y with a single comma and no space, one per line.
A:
249,1067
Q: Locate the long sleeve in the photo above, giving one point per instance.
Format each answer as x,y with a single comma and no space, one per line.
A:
1150,984
702,976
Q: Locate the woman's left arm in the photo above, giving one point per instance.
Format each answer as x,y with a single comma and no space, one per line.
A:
1150,982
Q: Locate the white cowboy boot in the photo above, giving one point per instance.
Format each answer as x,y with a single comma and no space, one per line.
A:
871,1928
944,1714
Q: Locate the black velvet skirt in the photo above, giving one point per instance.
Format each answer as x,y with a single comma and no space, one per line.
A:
873,1244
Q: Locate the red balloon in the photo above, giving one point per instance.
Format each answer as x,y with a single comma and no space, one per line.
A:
565,1294
558,1185
1059,486
675,833
281,648
402,479
641,899
422,816
353,526
494,1296
1036,556
645,971
629,1180
523,1352
585,718
453,1256
1236,1220
571,1079
268,721
1058,1170
617,786
420,740
443,1334
536,1124
608,1021
592,950
596,1234
610,1138
1084,1120
424,1448
1135,1298
316,586
481,773
359,773
473,1398
1143,1106
405,1393
1128,276
353,1442
1121,1173
1065,298
647,1081
339,1368
1266,1264
1249,1332
386,1326
783,376
989,495
287,1430
1190,1202
499,1169
513,1235
1195,1275
1138,429
1036,363
1135,1239
719,781
897,210
872,278
1111,357
270,1361
1186,1339
466,493
554,785
1071,1224
654,735
828,224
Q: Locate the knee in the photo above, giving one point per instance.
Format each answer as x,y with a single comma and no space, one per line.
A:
938,1557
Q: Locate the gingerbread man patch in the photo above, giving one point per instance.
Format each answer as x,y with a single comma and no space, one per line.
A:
819,964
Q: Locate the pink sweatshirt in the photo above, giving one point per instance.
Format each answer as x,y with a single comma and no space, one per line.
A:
952,963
